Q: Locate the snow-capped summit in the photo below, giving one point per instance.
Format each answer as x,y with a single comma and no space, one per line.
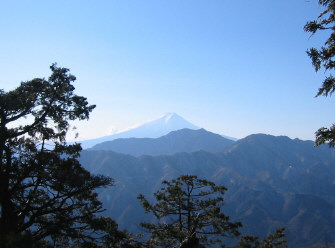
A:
165,124
152,129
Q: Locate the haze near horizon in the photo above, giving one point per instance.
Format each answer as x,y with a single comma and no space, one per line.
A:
233,68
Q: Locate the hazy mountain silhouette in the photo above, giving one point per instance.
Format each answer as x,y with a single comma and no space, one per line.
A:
272,182
184,140
152,129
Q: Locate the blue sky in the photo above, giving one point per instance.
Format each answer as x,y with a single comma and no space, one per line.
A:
232,67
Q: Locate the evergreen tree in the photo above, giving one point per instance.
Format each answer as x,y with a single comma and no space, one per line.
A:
189,213
274,240
324,58
47,199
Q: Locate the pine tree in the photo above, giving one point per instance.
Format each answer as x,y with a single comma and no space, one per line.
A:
274,240
324,58
47,199
189,214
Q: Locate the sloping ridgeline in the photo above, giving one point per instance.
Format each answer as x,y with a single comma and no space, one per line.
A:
272,182
184,140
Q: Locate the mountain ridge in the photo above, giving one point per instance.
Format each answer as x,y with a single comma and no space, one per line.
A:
272,182
151,129
183,140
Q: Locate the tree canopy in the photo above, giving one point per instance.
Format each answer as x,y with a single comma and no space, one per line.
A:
274,240
47,199
189,215
189,210
323,57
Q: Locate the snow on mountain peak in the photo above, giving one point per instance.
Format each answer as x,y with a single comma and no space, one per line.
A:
165,117
168,116
171,122
151,129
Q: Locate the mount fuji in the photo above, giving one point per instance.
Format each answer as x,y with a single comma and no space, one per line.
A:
152,129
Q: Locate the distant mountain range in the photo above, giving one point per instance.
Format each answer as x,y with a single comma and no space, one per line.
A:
152,129
272,182
184,140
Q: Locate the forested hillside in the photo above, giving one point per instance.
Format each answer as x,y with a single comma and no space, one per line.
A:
272,182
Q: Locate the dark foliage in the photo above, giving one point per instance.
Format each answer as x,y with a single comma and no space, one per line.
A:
188,210
47,198
274,240
324,58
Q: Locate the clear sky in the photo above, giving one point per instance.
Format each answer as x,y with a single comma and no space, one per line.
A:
231,67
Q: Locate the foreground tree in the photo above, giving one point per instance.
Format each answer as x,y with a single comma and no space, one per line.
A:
324,58
274,240
189,213
46,197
